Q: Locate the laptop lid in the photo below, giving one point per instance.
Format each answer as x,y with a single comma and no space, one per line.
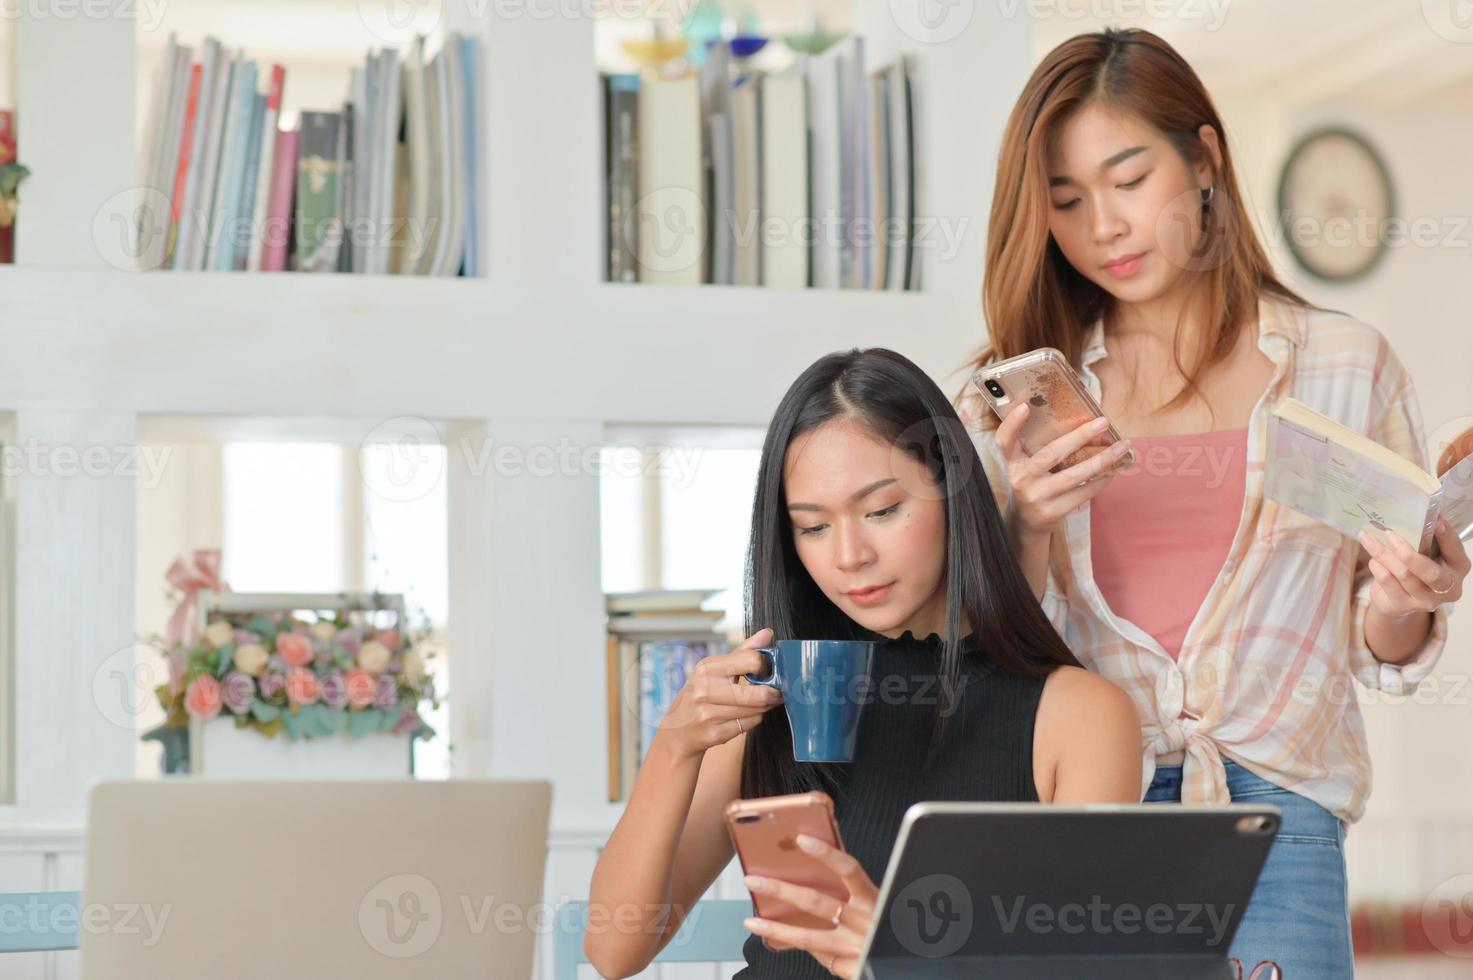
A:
371,880
1027,890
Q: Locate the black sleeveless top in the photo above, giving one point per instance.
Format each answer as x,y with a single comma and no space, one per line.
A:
988,756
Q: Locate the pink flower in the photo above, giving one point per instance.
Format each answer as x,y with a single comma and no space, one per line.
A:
294,648
361,688
238,692
202,699
301,687
390,639
334,690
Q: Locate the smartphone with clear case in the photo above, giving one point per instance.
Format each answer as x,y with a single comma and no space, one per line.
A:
764,832
1056,397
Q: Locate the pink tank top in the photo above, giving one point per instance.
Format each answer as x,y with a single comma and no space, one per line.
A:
1161,530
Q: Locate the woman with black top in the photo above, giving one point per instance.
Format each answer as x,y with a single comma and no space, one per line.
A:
872,519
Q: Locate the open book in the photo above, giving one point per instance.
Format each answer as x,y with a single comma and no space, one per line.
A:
1326,471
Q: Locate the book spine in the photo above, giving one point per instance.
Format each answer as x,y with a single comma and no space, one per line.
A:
245,236
181,172
470,62
623,153
629,705
347,184
221,247
276,231
155,235
266,168
649,676
189,206
359,229
615,716
317,193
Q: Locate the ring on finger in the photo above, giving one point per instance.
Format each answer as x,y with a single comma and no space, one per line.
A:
838,913
1448,589
740,728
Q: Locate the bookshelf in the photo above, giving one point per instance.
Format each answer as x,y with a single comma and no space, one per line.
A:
743,162
655,639
540,352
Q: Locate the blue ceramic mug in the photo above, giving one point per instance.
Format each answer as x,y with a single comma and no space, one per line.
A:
824,686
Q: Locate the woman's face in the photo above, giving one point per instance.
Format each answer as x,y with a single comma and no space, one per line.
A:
869,527
1124,207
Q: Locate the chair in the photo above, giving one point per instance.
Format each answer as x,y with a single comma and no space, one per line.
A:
38,921
712,933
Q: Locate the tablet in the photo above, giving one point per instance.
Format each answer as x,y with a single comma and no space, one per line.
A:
1040,892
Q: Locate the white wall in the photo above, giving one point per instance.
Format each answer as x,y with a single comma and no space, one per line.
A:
1417,830
177,511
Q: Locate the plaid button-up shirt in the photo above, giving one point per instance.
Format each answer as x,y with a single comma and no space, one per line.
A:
1264,675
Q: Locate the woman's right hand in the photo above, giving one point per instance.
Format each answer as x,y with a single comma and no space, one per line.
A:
1042,499
717,703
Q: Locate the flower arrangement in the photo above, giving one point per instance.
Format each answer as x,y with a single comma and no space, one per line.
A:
302,673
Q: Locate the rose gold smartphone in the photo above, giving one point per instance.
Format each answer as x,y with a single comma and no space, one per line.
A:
1057,399
764,832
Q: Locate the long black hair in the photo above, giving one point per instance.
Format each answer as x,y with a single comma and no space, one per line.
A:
896,402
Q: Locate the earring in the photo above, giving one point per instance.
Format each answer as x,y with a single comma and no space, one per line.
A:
1207,195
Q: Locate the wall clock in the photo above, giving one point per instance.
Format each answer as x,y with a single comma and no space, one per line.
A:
1335,199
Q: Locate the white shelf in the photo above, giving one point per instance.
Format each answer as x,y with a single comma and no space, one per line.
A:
540,353
379,346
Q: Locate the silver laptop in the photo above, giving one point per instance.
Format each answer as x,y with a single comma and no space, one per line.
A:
1033,892
187,878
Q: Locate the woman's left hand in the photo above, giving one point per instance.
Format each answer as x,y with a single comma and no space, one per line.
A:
836,949
1408,582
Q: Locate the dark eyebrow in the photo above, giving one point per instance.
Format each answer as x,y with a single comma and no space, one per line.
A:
1118,158
863,492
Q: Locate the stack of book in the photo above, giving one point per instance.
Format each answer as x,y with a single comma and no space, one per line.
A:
801,178
385,183
655,641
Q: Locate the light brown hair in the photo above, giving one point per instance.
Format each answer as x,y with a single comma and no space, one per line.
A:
1031,296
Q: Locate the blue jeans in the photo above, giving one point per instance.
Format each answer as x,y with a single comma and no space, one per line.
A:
1299,915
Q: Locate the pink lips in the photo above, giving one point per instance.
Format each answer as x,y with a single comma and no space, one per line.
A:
1126,266
871,597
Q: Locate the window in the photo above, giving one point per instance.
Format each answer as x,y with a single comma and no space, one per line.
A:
678,516
303,517
283,517
404,547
